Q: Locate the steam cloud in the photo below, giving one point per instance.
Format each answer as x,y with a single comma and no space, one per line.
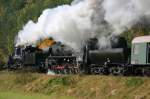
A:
83,19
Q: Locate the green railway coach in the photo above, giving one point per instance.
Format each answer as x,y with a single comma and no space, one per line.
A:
140,53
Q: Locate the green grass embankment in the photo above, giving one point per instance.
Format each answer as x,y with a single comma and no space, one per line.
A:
15,95
75,86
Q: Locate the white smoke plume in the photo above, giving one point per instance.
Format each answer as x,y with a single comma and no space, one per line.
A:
73,24
123,14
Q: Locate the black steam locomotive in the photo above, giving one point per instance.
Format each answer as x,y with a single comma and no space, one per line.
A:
61,59
58,58
108,60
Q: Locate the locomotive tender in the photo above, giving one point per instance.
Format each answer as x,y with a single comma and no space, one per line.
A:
61,59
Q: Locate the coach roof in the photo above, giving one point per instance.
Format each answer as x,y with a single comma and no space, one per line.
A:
141,39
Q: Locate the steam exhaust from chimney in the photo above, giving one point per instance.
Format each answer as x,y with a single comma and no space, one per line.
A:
73,24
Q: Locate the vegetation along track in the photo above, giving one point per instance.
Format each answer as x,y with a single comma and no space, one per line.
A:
74,86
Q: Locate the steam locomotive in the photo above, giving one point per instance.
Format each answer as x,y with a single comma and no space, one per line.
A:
49,55
61,59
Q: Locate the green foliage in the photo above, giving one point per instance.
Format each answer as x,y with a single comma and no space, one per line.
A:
14,14
137,30
60,81
133,82
2,59
56,84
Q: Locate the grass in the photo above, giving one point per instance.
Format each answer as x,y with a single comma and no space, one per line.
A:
15,95
133,82
24,78
74,86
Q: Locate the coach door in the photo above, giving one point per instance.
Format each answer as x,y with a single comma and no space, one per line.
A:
148,53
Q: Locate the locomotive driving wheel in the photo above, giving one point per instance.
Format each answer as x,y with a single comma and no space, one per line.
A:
97,70
118,70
